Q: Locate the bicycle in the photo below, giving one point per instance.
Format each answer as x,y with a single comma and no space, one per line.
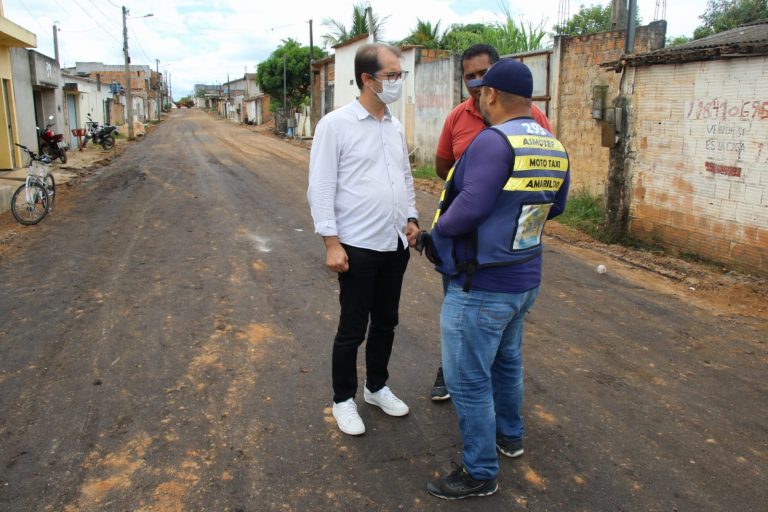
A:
33,200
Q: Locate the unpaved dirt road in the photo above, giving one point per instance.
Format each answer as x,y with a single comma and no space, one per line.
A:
165,346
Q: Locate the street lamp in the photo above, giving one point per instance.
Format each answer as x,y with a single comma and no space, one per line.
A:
128,98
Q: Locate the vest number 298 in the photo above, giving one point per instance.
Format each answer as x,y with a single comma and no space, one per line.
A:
534,129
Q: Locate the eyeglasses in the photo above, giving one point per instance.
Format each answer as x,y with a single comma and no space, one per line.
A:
390,77
475,76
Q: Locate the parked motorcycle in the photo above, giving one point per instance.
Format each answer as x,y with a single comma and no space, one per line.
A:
52,144
102,135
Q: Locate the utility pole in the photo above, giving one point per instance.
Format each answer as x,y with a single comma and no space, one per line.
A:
157,86
128,99
371,32
285,101
629,45
56,43
311,76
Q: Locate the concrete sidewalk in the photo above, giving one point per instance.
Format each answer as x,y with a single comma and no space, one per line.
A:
62,173
11,180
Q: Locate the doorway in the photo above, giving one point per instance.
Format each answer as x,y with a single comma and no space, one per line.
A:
72,119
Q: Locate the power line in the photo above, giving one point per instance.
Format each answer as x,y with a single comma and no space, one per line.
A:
109,33
141,49
110,19
83,31
64,9
563,13
30,14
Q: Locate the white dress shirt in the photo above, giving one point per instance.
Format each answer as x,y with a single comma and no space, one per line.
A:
360,181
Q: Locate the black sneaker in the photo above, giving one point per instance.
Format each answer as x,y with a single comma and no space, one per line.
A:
460,484
509,447
439,391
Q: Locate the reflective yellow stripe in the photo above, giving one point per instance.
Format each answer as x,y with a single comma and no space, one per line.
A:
533,184
534,141
437,216
544,163
442,196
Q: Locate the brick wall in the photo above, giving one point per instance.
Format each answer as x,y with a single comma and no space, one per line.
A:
700,174
427,55
139,79
579,71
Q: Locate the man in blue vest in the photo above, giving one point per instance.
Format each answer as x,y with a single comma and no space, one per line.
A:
487,239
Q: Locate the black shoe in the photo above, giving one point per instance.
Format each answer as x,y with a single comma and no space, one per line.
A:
439,391
460,484
509,447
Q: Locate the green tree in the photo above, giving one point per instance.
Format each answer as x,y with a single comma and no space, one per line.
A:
186,101
507,36
269,73
425,34
340,33
678,40
461,36
722,15
589,20
510,37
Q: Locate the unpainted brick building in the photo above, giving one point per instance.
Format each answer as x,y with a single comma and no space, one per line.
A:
698,162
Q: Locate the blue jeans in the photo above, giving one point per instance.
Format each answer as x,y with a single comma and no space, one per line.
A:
482,334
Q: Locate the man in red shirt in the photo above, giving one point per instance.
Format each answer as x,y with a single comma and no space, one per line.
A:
461,127
464,122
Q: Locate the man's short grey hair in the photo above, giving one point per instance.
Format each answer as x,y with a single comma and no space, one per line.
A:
367,60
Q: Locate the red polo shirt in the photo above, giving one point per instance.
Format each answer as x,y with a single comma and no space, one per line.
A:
463,124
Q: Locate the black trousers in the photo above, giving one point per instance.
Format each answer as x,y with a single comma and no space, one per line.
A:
369,290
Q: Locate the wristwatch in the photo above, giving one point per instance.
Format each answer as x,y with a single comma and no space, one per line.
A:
414,220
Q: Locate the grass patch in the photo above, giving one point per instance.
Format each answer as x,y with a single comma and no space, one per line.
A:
586,213
424,173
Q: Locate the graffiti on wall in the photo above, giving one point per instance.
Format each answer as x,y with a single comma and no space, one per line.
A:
726,170
728,125
724,110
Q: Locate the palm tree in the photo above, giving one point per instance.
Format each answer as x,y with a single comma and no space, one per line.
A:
339,32
459,36
424,34
509,37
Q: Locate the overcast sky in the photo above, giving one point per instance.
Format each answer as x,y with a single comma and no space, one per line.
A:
206,41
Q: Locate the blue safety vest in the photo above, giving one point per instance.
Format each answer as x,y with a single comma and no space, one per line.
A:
512,233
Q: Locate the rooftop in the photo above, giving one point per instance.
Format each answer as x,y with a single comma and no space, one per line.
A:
750,39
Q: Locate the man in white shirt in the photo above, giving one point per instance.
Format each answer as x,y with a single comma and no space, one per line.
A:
363,205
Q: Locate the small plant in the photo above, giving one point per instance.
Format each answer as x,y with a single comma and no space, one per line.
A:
585,212
424,173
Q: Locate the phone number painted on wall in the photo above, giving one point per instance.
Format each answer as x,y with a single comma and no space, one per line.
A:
728,109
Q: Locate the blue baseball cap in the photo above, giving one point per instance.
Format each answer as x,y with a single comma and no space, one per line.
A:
508,75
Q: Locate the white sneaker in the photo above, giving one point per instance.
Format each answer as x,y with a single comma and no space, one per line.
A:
347,418
385,399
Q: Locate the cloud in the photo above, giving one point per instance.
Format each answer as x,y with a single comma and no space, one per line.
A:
201,41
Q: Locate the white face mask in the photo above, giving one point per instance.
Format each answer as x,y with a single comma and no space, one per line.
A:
391,91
